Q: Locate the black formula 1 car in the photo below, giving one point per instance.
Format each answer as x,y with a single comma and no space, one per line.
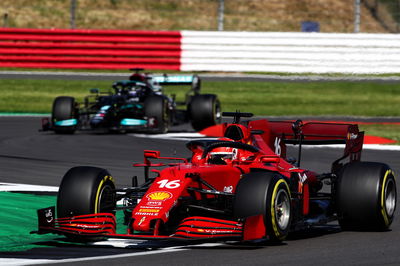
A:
239,187
137,104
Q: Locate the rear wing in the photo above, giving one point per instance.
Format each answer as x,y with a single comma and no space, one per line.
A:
192,80
279,133
314,133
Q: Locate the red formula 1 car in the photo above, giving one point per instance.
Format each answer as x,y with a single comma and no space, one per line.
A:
239,187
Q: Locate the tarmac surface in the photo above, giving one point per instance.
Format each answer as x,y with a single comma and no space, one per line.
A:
68,75
28,156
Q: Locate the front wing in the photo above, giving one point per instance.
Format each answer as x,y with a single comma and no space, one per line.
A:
104,225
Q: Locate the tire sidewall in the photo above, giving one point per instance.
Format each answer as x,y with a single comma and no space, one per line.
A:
255,195
81,190
156,106
360,196
63,109
387,218
102,183
278,185
204,111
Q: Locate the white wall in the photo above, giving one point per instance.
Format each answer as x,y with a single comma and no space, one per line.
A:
290,52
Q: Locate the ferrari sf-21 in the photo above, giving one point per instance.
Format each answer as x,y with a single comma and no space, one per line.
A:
238,187
137,104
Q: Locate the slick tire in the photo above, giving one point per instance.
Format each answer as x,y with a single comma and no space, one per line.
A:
63,109
366,196
268,194
156,107
204,111
86,190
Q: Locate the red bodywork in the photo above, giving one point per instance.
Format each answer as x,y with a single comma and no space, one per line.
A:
198,179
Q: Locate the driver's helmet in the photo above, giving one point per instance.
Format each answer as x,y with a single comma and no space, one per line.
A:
138,77
133,94
222,155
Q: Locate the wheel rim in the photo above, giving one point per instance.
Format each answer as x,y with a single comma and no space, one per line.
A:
218,115
390,197
106,200
282,209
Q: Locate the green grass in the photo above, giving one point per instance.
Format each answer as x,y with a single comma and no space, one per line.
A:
386,131
261,98
37,95
311,98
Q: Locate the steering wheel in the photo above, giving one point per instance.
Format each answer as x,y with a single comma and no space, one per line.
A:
231,144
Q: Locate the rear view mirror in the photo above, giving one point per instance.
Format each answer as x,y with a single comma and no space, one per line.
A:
151,154
270,159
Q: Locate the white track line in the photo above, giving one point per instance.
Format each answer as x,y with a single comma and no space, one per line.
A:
365,147
15,262
25,187
171,136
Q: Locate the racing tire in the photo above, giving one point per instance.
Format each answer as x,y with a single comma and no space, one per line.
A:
156,107
86,190
268,194
366,196
204,111
63,109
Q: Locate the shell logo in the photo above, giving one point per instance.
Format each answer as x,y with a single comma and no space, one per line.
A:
159,195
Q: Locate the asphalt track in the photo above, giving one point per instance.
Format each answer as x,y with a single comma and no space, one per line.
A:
68,75
31,157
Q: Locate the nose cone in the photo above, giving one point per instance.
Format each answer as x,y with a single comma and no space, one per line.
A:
97,121
142,224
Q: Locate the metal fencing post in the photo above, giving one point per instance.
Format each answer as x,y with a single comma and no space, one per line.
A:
5,20
221,15
357,15
73,9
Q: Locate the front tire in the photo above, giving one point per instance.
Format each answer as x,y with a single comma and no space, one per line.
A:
156,107
267,194
366,196
204,111
86,190
63,110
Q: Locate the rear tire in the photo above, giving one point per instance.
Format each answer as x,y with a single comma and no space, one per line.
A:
366,196
268,194
156,107
204,111
86,190
63,109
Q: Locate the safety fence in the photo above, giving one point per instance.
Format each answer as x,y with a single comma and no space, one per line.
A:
89,49
201,51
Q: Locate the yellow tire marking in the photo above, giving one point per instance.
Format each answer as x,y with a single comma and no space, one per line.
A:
383,207
96,203
273,220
